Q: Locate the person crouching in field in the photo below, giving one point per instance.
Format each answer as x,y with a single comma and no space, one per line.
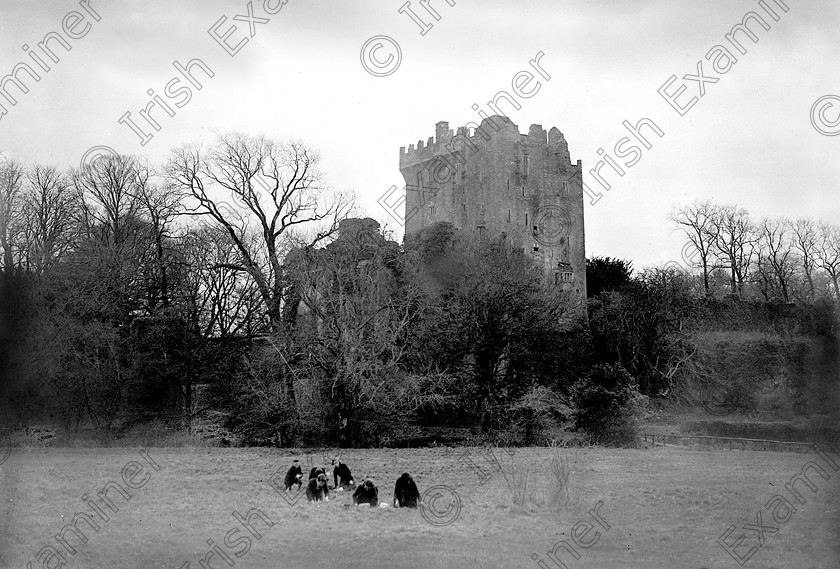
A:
342,478
318,489
293,476
406,494
367,493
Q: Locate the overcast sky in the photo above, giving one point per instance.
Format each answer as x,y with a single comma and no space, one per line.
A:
749,140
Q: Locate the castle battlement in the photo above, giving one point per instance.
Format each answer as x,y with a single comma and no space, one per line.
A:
472,135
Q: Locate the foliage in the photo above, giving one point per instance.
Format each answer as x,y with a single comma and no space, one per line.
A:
640,327
604,274
494,323
130,296
603,400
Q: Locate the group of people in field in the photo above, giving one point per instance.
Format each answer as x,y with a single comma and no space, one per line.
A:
406,494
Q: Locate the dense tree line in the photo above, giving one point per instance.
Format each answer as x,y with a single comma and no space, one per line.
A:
120,282
232,280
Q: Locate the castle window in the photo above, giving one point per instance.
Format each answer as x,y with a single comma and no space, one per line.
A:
432,210
563,277
463,205
526,220
536,229
482,233
536,247
419,179
523,191
508,216
564,188
508,182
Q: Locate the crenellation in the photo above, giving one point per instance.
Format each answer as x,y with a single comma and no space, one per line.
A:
465,139
536,132
442,132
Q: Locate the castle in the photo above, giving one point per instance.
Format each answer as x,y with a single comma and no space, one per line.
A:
496,181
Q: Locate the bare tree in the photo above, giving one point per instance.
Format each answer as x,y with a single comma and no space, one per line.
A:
764,278
806,233
697,221
775,248
224,301
50,210
275,188
108,189
734,243
351,324
116,244
160,205
11,184
828,253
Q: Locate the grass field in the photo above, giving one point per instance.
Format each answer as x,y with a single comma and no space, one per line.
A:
664,507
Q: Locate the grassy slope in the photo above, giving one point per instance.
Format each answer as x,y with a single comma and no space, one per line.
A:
666,508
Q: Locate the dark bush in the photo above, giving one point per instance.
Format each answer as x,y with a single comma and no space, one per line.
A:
604,274
604,401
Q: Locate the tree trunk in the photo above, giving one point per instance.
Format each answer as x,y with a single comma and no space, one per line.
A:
276,324
732,282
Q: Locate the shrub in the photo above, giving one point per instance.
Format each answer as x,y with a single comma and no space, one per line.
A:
528,486
538,413
605,400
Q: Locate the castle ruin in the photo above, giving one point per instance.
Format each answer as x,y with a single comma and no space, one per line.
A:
492,180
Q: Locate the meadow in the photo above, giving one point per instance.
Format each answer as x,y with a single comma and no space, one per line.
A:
659,508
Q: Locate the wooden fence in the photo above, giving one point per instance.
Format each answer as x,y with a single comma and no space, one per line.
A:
732,443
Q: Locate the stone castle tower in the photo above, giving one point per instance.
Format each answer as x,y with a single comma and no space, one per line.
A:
497,181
